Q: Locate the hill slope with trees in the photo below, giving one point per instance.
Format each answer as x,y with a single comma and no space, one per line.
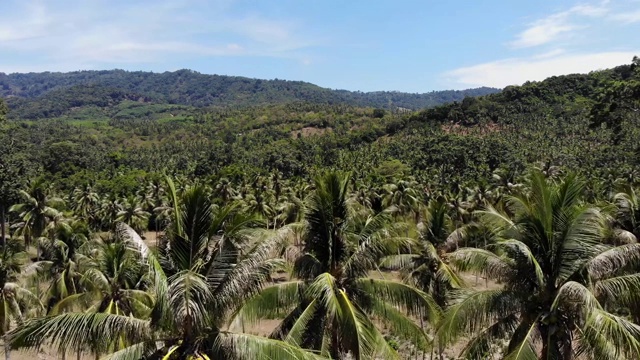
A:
48,95
501,226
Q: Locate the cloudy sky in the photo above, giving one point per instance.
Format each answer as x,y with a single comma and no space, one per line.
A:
405,45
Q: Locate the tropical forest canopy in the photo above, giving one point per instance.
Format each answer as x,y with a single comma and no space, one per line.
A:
355,225
100,94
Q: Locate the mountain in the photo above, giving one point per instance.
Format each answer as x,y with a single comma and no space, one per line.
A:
48,95
584,123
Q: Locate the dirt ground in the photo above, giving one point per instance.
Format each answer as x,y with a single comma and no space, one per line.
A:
45,355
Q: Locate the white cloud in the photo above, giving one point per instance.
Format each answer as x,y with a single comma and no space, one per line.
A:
97,32
550,54
542,32
627,18
30,26
516,71
557,25
590,10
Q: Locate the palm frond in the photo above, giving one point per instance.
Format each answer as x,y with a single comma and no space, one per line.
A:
582,241
607,331
272,302
573,296
95,331
245,346
474,312
188,296
617,258
525,251
497,221
525,349
246,278
300,326
137,351
358,334
622,290
401,325
481,343
406,297
483,262
397,262
156,271
324,290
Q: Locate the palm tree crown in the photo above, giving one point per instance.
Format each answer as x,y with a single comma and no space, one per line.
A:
562,284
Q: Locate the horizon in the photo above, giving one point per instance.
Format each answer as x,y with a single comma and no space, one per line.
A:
238,76
453,46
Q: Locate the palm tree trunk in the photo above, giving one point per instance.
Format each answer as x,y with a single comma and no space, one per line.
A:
6,349
335,347
37,276
544,335
2,224
424,352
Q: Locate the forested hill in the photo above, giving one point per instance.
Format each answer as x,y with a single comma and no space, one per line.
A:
49,95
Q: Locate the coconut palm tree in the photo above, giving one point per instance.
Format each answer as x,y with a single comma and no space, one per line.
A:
36,211
110,207
112,282
403,195
14,298
259,203
85,203
133,214
333,302
290,209
199,279
427,267
59,267
564,290
224,190
627,203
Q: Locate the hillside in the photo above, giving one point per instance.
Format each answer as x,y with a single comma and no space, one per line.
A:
287,181
49,95
582,122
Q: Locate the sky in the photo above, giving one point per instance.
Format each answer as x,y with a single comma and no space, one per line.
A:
403,45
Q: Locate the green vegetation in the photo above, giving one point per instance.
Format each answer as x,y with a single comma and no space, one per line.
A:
99,94
502,226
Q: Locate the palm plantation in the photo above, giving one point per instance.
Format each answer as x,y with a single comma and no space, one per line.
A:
36,211
196,281
566,294
333,300
16,299
563,289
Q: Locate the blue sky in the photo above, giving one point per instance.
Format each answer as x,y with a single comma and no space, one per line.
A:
414,46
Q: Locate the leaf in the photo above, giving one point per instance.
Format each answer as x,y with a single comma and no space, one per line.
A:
608,262
482,261
245,346
94,331
401,325
525,350
406,297
523,249
475,311
272,302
